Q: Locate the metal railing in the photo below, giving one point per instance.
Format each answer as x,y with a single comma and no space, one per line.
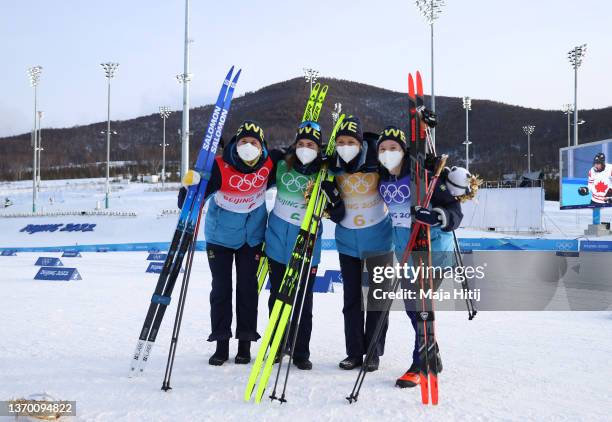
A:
496,184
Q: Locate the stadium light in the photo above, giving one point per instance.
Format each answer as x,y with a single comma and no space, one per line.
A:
109,71
34,76
431,10
528,129
164,112
311,75
336,113
575,56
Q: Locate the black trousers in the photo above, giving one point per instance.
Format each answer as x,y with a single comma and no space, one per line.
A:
302,342
359,326
220,260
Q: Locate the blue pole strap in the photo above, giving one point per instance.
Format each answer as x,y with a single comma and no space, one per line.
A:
162,300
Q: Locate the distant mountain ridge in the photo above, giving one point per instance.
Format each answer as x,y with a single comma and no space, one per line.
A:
499,144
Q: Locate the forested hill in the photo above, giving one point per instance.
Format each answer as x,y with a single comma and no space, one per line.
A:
499,144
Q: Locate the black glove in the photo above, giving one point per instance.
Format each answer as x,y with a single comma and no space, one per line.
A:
428,117
425,216
583,190
431,162
330,190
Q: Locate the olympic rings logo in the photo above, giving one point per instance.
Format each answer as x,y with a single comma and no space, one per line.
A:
358,183
394,193
294,183
564,246
249,181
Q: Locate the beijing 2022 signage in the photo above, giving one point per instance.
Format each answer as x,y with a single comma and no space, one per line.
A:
50,228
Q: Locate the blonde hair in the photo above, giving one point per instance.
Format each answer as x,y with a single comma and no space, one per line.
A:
475,182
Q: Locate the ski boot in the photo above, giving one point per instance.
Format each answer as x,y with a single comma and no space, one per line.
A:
221,354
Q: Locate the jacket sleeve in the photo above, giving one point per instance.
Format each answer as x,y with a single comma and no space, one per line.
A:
214,184
276,155
447,206
451,216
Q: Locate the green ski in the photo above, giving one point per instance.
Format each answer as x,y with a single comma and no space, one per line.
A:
312,111
300,259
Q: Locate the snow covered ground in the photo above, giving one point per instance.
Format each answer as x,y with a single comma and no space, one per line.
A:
74,340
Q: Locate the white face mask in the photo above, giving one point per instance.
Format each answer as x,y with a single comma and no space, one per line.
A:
347,152
390,159
248,152
305,155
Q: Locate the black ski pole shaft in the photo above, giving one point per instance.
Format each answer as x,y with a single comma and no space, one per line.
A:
286,335
372,346
469,303
307,250
280,352
179,311
283,347
304,291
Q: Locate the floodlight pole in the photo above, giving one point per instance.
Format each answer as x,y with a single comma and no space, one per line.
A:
164,112
528,129
467,105
109,71
575,56
34,75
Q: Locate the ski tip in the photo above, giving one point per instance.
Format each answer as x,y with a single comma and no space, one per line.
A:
237,76
229,73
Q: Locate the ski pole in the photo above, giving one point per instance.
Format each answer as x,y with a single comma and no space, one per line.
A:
310,240
471,309
180,307
304,281
379,326
469,303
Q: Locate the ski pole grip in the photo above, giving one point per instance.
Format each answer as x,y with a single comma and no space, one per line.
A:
441,164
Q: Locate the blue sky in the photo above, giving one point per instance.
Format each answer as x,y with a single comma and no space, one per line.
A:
510,51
